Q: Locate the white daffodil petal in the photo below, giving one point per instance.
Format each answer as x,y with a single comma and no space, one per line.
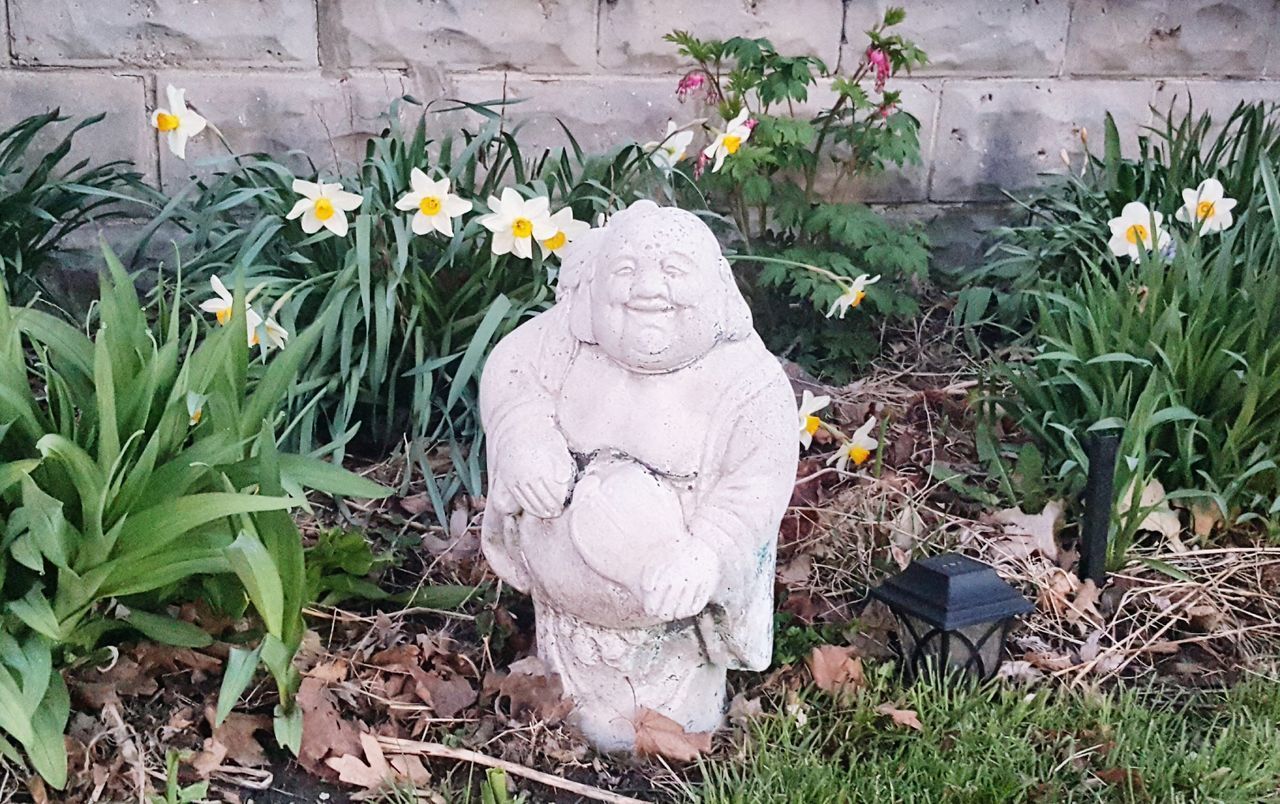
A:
409,201
522,247
299,208
345,201
337,223
307,188
503,241
443,224
455,206
421,224
310,223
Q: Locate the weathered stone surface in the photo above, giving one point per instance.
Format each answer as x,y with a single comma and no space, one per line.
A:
601,112
959,234
546,35
631,30
326,117
1218,98
998,135
123,134
998,38
651,563
156,33
1164,38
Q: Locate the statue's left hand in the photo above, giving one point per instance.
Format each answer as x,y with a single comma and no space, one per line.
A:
679,582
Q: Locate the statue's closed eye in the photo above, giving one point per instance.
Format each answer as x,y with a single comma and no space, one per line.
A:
624,270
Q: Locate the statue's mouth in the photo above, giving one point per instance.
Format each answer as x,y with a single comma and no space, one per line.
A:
650,307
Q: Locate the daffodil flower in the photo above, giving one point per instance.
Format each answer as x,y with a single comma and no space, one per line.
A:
195,407
1136,230
178,123
221,303
809,422
271,335
323,206
853,296
436,206
567,229
728,142
517,222
858,448
1206,207
665,153
253,320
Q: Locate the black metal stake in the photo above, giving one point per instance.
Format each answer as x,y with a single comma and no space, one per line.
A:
1099,491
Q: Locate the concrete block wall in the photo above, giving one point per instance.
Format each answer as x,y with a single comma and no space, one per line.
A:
1011,83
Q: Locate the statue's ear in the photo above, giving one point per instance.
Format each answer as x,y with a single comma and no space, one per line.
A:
736,315
577,270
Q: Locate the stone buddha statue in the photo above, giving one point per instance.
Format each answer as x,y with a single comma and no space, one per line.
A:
641,452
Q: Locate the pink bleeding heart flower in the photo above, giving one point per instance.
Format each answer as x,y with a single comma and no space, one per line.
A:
690,84
701,165
878,59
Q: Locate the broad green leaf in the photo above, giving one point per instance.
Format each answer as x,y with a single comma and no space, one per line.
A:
33,609
329,478
241,665
256,569
47,748
169,631
151,531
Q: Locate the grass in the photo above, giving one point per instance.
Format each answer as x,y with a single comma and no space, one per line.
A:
1001,743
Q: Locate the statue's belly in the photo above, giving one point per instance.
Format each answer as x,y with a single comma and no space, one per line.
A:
661,421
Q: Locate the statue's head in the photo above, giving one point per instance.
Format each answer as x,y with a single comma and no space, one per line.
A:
652,289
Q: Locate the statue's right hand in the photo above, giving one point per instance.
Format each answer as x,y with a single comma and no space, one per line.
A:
539,476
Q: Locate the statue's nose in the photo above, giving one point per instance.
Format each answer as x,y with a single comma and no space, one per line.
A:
649,285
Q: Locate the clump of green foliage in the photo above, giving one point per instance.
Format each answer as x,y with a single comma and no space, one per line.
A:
1177,350
139,469
778,188
410,318
1059,235
45,196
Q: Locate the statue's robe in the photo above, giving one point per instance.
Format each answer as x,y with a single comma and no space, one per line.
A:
718,432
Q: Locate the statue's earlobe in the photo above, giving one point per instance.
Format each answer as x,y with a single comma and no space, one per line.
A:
737,314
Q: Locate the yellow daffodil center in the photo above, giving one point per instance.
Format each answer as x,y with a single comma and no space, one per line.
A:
324,209
195,415
670,151
166,121
732,143
858,296
430,205
554,242
1136,233
223,315
522,227
1204,210
859,455
253,339
811,424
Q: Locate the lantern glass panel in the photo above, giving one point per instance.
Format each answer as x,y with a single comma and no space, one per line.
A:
974,648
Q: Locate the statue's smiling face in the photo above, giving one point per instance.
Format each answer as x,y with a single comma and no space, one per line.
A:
656,295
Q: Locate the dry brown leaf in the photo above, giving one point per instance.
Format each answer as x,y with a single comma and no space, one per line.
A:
1205,517
1162,519
1128,778
531,691
1029,534
742,709
237,734
796,571
416,504
324,731
447,695
370,772
1204,618
907,718
836,669
330,672
1085,605
659,735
